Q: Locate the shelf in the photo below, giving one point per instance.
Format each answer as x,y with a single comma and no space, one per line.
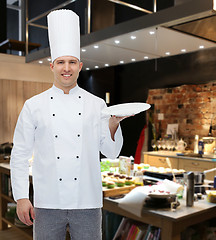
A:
25,231
4,199
9,199
12,44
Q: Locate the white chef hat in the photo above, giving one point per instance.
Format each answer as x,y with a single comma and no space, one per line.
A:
64,33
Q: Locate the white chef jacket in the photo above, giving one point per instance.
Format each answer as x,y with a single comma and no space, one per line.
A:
65,132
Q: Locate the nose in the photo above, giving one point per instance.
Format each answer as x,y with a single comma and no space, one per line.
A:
66,67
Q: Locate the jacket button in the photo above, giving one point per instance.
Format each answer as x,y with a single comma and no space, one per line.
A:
75,178
58,157
53,114
77,156
79,113
79,96
78,135
60,179
56,136
51,97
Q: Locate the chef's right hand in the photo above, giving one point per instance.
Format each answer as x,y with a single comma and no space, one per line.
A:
25,210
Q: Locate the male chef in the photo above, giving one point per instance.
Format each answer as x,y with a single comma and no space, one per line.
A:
65,130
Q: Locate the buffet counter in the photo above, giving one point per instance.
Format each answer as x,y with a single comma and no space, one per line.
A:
185,161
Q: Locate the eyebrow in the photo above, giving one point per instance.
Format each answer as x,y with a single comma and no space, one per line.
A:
62,60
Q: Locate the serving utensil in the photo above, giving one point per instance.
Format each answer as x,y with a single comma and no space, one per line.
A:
170,166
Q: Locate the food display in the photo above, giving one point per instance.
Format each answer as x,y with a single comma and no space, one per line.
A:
115,182
211,196
119,180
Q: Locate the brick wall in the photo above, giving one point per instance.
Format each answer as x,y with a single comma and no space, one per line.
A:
191,106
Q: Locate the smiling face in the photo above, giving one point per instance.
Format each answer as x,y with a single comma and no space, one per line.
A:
66,72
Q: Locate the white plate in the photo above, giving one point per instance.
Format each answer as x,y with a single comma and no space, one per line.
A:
126,109
162,195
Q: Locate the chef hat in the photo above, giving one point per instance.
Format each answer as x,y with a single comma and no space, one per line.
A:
64,33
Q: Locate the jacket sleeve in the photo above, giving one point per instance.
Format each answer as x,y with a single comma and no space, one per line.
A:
21,153
108,147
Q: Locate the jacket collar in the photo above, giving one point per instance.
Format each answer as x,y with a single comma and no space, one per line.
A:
60,91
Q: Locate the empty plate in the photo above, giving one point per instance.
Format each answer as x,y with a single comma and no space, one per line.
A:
126,109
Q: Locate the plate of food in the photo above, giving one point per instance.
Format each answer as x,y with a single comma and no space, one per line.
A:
126,109
160,194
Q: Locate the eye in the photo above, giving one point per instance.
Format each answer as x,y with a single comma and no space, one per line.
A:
73,62
60,62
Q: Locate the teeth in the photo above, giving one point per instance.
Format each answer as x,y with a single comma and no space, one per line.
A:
66,75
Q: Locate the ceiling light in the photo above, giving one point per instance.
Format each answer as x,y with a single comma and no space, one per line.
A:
201,46
87,69
96,66
151,32
133,37
146,57
117,41
167,53
133,59
183,50
121,62
96,46
106,65
40,62
214,5
83,50
49,59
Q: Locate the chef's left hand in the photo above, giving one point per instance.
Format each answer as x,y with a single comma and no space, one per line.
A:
114,123
116,120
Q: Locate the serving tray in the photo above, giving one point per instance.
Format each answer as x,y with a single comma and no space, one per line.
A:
110,192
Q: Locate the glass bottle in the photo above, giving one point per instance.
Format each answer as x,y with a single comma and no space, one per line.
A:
139,176
196,140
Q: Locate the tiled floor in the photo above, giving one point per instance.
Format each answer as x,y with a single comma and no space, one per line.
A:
11,234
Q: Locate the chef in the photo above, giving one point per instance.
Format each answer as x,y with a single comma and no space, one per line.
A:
65,130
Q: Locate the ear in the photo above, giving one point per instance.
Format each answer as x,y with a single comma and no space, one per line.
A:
51,66
80,66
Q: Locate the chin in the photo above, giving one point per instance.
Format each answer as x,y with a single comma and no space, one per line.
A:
68,85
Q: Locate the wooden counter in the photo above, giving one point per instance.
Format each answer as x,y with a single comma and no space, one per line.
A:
171,223
173,154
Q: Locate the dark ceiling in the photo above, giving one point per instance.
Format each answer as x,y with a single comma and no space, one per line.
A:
204,28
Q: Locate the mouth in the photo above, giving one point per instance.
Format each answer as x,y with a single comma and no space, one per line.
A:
66,75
